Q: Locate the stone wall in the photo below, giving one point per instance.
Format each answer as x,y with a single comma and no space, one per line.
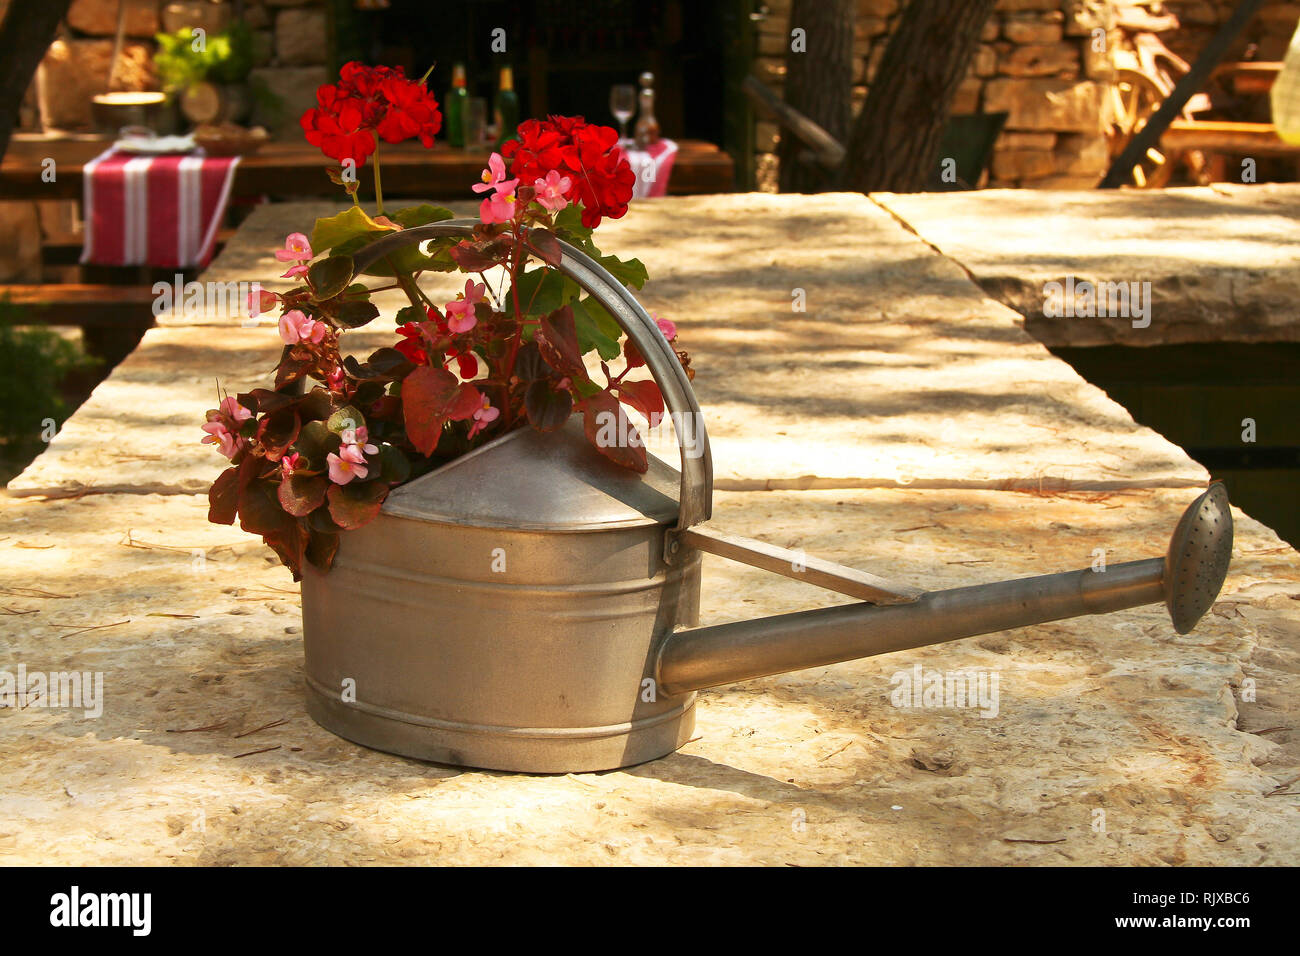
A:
1047,63
290,42
1264,38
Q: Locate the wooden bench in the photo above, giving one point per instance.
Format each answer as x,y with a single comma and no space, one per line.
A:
1221,139
113,318
64,248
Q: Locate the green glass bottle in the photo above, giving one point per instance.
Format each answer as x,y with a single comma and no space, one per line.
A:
506,107
454,108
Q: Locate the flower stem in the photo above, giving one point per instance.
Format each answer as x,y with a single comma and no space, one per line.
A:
379,189
407,283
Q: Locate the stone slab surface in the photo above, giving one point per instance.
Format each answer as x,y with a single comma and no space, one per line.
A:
1222,260
900,372
900,378
195,626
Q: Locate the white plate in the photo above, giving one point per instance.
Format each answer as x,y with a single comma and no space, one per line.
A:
155,145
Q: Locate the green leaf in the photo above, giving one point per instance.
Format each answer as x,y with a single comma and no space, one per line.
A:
393,466
329,277
346,417
354,313
630,272
568,223
314,442
439,255
421,215
408,258
384,365
555,290
597,329
336,230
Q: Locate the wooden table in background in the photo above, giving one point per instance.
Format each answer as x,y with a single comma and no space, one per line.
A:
298,169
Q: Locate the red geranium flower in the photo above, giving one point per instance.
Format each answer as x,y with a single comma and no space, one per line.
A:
600,177
368,100
412,344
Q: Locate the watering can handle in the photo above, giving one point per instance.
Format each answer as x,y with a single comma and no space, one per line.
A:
696,498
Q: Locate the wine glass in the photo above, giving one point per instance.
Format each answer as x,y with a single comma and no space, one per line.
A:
622,103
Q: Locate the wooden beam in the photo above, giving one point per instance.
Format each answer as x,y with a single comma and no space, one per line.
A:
826,148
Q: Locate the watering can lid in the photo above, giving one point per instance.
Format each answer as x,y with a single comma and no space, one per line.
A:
533,481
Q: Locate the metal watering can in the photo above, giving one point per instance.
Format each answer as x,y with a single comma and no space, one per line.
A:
532,606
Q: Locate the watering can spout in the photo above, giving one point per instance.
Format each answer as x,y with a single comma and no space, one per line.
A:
1187,580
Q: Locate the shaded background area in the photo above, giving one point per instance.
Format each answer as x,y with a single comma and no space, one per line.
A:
1203,397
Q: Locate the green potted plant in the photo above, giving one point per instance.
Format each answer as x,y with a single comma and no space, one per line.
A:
208,72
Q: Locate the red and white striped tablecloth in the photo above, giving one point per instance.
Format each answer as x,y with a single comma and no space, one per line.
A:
154,210
652,166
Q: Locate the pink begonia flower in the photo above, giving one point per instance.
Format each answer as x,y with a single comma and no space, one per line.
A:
260,300
227,442
494,177
296,248
358,437
294,272
349,463
460,314
296,327
236,412
223,424
550,191
291,463
500,207
665,326
336,380
483,417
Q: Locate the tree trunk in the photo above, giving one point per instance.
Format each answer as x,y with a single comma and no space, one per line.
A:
25,35
819,84
894,145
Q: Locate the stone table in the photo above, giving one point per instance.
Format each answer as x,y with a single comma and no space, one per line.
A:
1223,261
902,423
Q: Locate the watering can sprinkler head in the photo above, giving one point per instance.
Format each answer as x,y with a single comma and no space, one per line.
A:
1197,561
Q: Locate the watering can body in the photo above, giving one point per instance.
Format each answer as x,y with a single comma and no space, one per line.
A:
532,606
503,612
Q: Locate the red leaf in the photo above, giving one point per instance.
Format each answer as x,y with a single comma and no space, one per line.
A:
260,511
431,397
608,428
557,340
226,491
277,431
546,245
289,543
353,506
264,401
300,495
548,408
321,549
644,396
223,497
481,256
